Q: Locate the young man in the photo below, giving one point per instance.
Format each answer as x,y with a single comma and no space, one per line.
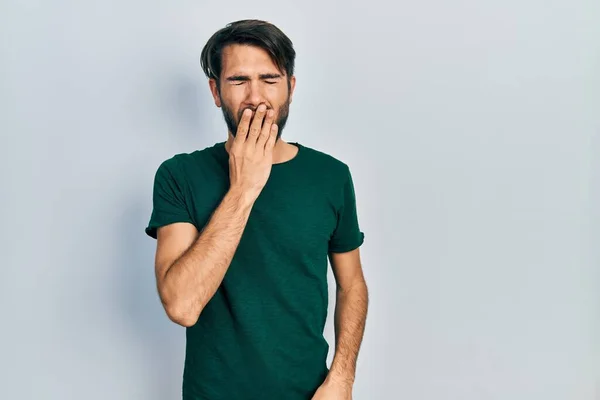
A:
244,230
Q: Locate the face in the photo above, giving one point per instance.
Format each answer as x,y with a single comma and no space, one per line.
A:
249,78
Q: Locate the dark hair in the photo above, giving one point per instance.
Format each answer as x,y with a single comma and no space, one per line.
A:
250,32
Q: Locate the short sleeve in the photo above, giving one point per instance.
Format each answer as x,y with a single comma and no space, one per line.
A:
168,199
347,235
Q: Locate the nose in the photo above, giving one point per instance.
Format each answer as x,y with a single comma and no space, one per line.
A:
255,96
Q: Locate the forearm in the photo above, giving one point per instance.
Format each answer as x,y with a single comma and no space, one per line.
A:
350,317
193,279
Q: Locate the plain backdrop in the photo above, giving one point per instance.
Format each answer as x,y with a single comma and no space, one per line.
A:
471,128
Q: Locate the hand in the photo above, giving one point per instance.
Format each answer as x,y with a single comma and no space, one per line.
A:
251,153
331,390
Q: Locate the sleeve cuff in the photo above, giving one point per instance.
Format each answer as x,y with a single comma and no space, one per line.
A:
346,247
152,228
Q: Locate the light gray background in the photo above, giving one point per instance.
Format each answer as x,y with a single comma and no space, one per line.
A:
469,127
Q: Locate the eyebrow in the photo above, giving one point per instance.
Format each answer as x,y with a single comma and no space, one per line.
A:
247,78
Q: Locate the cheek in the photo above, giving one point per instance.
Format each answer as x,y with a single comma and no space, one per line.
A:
285,97
278,98
229,103
283,104
231,96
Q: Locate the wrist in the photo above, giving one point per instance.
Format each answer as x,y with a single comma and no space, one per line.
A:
337,379
241,198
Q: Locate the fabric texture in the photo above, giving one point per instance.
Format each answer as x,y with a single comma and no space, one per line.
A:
261,335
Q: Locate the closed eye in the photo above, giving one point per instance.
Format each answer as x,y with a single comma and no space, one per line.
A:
238,83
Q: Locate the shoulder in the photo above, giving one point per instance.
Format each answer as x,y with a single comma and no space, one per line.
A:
181,163
326,163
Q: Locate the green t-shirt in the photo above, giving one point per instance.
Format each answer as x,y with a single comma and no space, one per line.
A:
261,335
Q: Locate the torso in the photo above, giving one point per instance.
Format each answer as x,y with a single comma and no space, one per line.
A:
261,335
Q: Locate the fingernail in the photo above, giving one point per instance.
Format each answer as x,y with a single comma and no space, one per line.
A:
262,108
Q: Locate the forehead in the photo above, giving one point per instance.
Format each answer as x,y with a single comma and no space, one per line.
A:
247,60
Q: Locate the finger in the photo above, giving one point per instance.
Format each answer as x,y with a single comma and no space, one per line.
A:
270,145
256,124
266,129
242,130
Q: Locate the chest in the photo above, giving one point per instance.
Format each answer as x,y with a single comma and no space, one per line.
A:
294,216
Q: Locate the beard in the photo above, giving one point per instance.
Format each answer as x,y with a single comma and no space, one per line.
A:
233,121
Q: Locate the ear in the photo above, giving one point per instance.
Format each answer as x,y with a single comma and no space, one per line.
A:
214,90
292,87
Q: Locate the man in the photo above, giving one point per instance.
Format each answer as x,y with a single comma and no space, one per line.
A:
244,230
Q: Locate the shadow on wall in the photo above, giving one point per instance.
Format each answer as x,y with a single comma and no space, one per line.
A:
186,102
161,342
